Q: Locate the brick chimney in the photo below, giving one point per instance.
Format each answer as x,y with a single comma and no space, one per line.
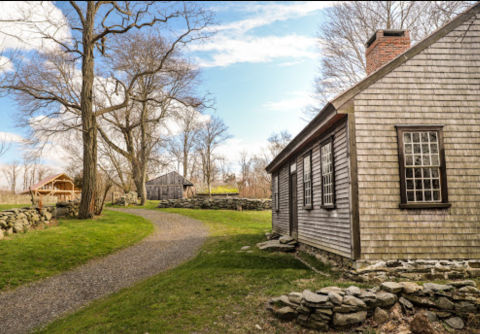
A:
385,45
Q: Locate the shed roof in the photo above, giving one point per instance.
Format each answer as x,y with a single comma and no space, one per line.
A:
332,107
185,182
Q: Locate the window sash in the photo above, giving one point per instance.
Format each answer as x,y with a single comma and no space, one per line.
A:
307,180
422,167
327,173
276,193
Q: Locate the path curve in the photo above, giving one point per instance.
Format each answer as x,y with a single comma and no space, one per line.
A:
176,239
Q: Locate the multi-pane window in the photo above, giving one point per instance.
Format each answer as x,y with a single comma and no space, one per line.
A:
276,193
422,167
307,180
328,178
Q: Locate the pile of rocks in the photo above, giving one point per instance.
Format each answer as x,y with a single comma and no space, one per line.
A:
454,304
128,199
21,220
226,203
280,244
68,209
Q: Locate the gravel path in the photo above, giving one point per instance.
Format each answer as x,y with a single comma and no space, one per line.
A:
175,239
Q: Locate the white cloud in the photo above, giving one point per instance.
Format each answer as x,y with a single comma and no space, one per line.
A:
266,14
259,49
5,64
297,101
11,137
236,42
43,19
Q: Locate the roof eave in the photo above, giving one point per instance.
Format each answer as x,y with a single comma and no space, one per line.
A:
292,147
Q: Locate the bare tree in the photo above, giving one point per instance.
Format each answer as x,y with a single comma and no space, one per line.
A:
5,145
165,93
212,134
349,24
12,172
50,81
190,123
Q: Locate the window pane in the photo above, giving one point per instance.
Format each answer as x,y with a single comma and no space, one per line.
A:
408,149
419,196
418,173
433,137
409,160
416,148
410,196
416,137
409,173
410,184
436,195
428,196
426,172
427,184
407,137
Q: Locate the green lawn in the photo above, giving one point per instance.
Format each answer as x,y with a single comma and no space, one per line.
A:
12,206
221,290
41,253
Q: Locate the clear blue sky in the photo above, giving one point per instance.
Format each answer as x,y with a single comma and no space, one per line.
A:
260,68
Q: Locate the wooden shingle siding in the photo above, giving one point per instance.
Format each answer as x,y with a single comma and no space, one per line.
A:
327,229
281,218
439,85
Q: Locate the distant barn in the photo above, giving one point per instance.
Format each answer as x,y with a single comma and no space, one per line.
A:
169,186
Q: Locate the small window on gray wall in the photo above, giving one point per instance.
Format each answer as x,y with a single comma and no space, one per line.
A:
307,181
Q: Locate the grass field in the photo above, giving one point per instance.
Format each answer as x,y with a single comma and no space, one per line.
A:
223,289
41,253
12,206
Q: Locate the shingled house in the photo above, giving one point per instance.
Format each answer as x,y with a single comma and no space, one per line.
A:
390,169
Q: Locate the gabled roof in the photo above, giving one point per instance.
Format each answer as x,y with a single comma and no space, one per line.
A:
185,181
331,108
46,181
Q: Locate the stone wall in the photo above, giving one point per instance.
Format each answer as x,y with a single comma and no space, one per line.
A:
381,271
68,209
21,220
404,304
226,203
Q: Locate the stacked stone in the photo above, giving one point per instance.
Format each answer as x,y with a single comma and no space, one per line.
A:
415,270
68,209
226,203
21,220
338,308
128,199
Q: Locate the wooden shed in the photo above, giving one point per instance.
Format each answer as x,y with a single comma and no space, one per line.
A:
169,186
390,169
60,185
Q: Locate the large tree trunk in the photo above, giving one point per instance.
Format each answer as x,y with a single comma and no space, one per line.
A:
87,204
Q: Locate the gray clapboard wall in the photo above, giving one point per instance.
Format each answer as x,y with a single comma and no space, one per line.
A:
439,85
168,186
281,218
329,230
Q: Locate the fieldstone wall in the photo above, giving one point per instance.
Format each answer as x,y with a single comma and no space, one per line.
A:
400,304
21,220
226,203
381,271
68,209
127,199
